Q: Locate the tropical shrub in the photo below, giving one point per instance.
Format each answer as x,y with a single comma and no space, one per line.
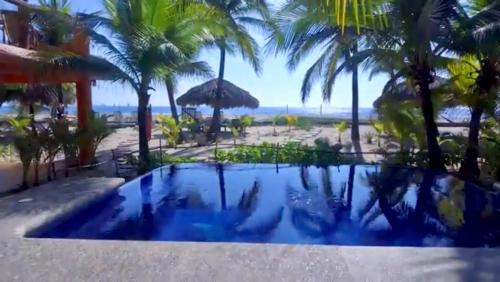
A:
490,148
246,121
69,142
51,146
6,150
379,128
235,133
165,158
304,124
97,131
170,129
369,137
291,120
25,144
3,151
277,120
404,124
290,153
158,159
341,128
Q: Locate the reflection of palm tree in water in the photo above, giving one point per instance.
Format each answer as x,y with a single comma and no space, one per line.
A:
146,221
390,186
317,212
141,226
234,219
222,186
225,224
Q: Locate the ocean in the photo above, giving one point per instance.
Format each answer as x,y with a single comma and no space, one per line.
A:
459,114
364,113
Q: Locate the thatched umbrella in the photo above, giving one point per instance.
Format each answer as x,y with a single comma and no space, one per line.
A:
232,96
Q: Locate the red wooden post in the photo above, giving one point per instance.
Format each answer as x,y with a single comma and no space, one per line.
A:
80,45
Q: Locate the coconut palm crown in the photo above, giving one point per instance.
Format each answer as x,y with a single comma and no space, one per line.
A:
148,40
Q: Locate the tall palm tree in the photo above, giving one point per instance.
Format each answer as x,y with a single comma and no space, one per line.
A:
234,18
477,35
54,32
308,25
171,79
414,27
148,38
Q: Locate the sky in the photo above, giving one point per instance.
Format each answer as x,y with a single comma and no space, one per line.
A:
275,87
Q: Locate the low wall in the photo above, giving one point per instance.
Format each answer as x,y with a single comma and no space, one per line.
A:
11,174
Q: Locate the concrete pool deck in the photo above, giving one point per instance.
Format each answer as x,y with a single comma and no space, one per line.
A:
23,259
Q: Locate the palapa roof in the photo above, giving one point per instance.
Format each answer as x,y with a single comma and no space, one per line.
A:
232,96
19,64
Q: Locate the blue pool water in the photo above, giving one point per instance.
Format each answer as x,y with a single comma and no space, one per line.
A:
345,205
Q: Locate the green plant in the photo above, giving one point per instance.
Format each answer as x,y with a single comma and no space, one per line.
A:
291,120
25,143
341,128
277,120
165,158
235,133
50,146
246,121
290,153
4,151
369,137
158,159
304,124
452,151
170,129
379,128
96,132
490,149
191,124
69,141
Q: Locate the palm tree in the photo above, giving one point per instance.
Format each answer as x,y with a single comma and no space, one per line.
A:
187,69
414,27
308,25
147,40
54,32
477,35
234,18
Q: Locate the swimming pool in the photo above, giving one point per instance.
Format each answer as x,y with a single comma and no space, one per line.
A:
344,205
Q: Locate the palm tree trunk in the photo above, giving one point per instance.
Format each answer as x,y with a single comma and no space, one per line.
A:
436,160
32,117
171,100
355,101
36,168
355,139
350,189
144,160
469,170
215,127
222,186
424,200
60,102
